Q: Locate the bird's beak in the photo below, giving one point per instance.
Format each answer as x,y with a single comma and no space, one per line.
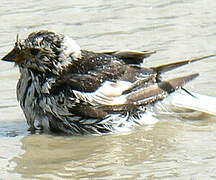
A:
13,56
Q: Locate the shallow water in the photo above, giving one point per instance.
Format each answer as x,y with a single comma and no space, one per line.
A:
171,149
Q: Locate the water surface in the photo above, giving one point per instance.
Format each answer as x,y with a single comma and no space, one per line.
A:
174,148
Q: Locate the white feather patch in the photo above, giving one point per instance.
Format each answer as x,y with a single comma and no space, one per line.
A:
113,89
71,48
110,93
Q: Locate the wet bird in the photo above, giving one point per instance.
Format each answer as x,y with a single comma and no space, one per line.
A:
65,89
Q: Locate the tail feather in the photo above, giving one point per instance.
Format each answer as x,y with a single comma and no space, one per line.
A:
173,65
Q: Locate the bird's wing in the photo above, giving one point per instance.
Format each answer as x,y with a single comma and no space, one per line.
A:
110,85
110,97
113,94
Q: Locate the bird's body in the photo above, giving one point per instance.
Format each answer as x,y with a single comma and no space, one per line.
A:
65,89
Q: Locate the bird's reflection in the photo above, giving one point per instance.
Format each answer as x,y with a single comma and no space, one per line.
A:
93,156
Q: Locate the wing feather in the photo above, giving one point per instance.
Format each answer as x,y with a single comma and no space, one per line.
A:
130,56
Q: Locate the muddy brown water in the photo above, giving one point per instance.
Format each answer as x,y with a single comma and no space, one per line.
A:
174,148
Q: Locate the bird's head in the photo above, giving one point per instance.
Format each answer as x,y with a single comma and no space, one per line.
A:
44,51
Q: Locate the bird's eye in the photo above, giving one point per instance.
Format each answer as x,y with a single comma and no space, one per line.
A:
34,51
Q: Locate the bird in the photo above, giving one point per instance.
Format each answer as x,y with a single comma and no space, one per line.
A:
68,90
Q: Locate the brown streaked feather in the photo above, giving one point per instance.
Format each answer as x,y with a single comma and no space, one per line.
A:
158,91
89,111
134,72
